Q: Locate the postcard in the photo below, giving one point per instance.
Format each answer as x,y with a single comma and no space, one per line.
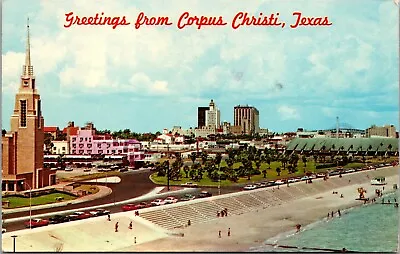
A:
233,126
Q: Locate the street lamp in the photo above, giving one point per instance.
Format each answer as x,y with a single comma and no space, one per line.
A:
30,204
14,239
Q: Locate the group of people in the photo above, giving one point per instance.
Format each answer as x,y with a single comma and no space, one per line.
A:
130,226
219,233
222,213
332,213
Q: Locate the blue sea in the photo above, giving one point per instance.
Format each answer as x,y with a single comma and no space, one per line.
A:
367,228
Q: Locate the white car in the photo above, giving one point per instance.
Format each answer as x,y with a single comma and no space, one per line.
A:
291,180
170,200
250,187
304,178
279,182
68,169
319,175
158,202
189,184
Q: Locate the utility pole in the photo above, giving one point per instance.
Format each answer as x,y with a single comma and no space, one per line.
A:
14,240
168,175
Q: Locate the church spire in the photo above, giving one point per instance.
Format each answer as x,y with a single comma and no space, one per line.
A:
28,68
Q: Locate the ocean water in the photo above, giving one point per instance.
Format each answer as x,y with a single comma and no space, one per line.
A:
367,228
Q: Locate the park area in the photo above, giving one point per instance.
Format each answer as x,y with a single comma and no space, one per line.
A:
248,166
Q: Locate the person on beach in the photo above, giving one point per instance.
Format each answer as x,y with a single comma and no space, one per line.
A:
383,200
226,211
338,211
328,215
189,223
116,227
298,226
130,225
222,213
218,214
229,231
383,188
396,205
332,214
108,217
341,196
134,239
219,234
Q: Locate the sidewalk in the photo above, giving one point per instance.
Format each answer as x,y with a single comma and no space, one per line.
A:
103,191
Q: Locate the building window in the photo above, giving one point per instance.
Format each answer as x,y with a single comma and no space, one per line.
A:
22,113
99,145
81,151
100,151
85,139
63,148
89,145
108,151
73,139
80,145
89,151
73,145
113,151
81,139
73,151
39,113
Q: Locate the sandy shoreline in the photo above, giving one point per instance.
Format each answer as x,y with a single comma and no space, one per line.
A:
253,228
248,228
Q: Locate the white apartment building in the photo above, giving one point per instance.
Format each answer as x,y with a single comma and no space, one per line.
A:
60,147
213,116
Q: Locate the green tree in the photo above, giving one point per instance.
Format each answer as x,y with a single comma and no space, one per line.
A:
264,173
193,156
278,171
186,170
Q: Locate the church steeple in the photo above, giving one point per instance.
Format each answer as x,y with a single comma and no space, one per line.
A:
28,68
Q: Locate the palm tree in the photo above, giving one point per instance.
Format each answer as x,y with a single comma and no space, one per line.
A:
193,156
268,159
258,164
204,157
186,170
278,171
264,173
284,161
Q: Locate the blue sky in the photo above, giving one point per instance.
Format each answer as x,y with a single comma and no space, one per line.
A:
156,77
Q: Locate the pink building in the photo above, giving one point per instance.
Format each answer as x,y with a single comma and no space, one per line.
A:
86,142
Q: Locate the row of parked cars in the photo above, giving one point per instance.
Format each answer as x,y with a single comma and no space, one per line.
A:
168,200
338,171
65,218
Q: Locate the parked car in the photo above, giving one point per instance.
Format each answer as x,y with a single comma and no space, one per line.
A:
320,175
189,184
271,183
187,197
291,180
125,169
204,194
86,170
128,207
279,182
68,169
99,212
334,173
79,216
304,178
170,200
250,187
157,202
297,179
349,171
58,219
262,185
143,205
36,223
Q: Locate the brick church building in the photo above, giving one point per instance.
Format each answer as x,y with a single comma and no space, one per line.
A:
22,146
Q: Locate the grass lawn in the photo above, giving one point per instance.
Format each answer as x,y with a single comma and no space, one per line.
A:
92,189
16,202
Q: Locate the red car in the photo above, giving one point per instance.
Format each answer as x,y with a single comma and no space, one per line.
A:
143,205
129,207
36,223
79,216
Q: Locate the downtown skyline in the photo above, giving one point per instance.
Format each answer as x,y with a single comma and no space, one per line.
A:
155,78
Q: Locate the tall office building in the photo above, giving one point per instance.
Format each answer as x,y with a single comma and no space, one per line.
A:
213,116
247,117
201,116
22,147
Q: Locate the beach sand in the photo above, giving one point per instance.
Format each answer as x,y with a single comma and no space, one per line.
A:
253,228
249,229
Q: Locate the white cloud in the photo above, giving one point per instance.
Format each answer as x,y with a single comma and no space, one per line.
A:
287,112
